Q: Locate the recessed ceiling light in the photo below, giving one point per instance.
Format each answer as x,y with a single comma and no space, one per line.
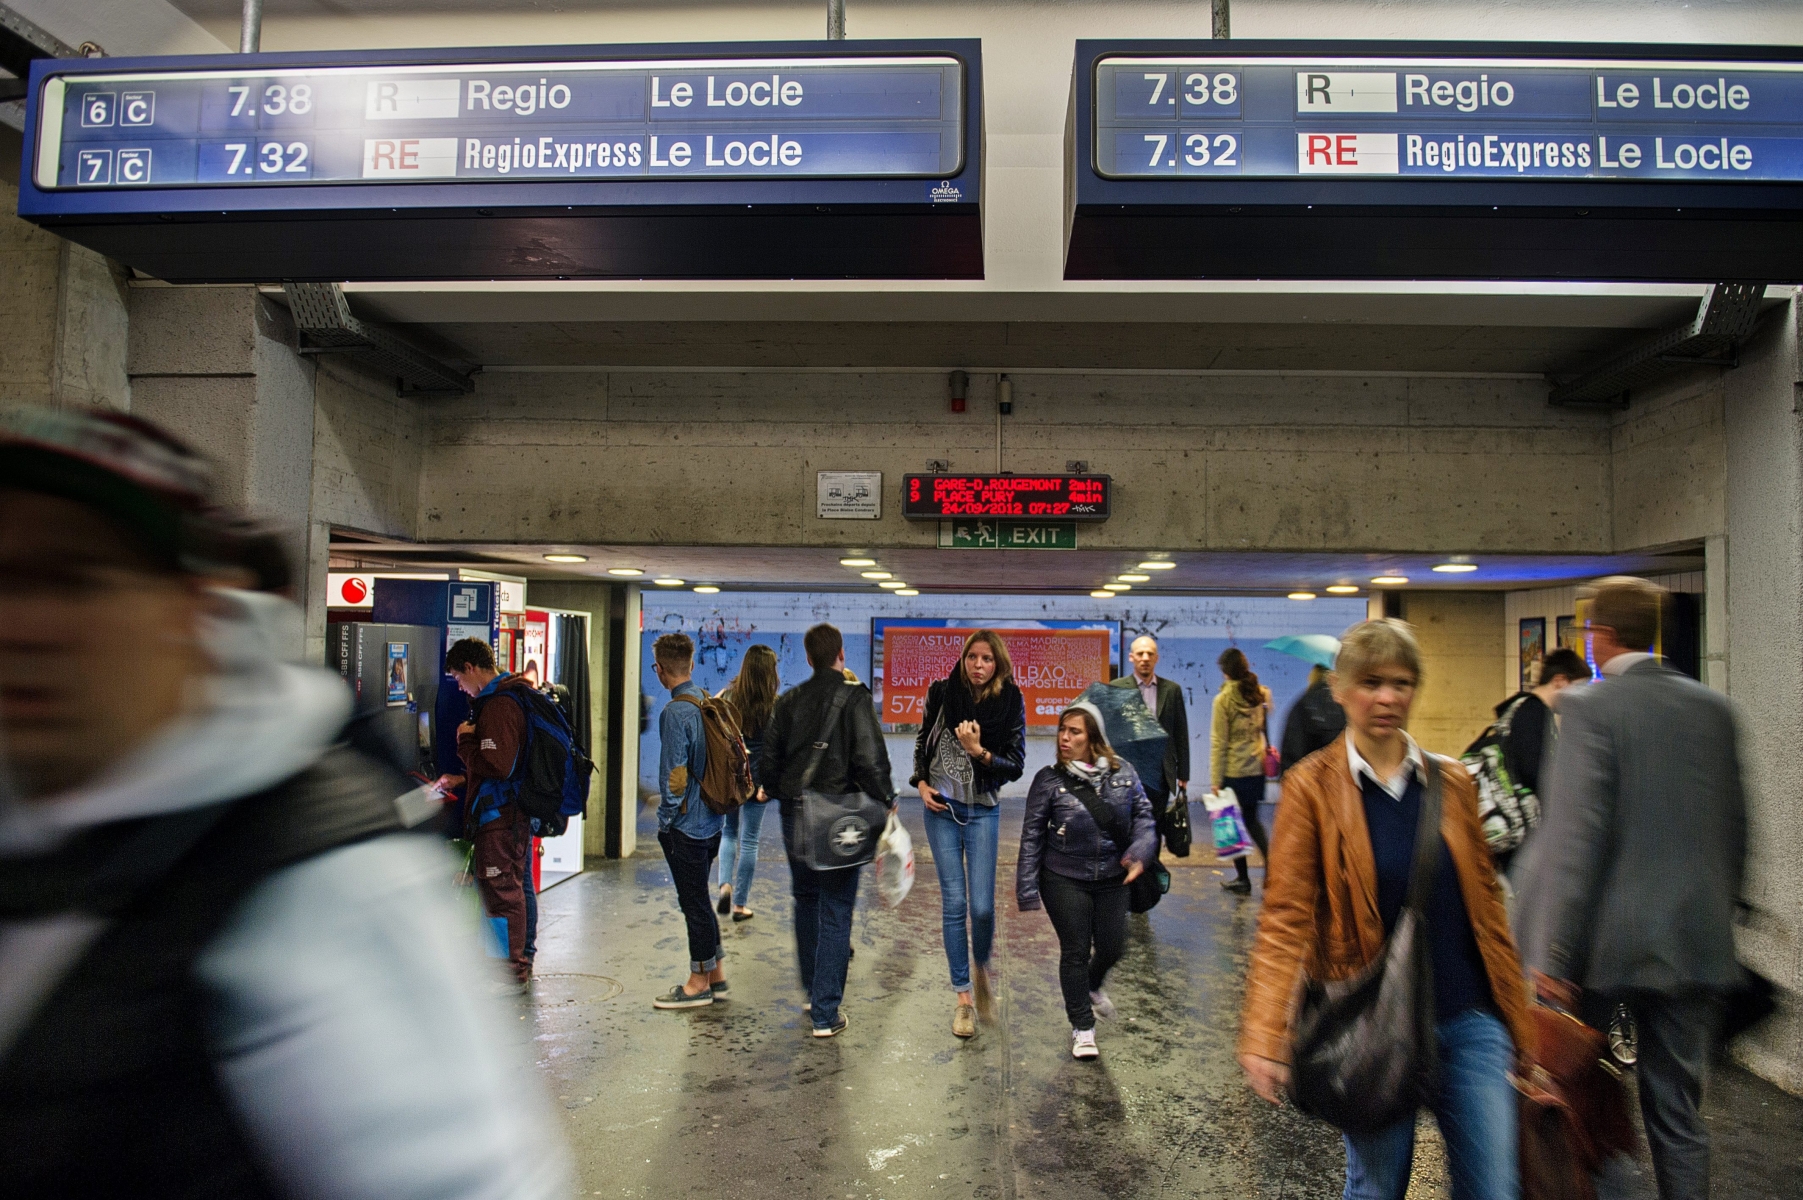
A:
1302,595
907,591
1158,565
1455,568
876,574
707,589
1101,595
667,582
566,558
857,562
1132,578
1390,580
1117,587
1342,589
892,584
628,572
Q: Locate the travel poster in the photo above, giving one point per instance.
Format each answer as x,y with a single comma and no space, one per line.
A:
397,673
1052,665
1571,635
1533,650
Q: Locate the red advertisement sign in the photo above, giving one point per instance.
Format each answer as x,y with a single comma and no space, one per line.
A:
1051,667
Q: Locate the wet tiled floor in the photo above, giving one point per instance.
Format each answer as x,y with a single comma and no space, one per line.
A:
738,1101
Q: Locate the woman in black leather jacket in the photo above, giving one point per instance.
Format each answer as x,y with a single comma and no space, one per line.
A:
973,739
1079,868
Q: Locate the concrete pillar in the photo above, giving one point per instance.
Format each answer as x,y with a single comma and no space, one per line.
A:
64,312
1715,611
593,599
216,366
1764,591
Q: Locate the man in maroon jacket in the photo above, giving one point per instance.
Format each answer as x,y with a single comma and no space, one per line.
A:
490,746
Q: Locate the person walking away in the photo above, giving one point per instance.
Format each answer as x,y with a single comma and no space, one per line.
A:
687,829
753,696
1529,718
1315,722
1164,700
1629,887
224,958
973,740
490,744
1088,833
1346,836
1236,752
853,757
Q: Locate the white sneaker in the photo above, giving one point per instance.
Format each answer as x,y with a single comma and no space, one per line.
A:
1083,1043
1102,1005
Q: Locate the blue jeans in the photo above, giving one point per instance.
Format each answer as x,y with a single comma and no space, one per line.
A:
964,849
824,901
1476,1110
739,849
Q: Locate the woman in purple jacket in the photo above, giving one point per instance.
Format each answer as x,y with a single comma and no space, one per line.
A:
1089,832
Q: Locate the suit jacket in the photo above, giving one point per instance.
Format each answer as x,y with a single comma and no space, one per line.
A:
1173,718
1631,877
1321,917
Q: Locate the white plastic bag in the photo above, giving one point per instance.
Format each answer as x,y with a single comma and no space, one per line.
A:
894,863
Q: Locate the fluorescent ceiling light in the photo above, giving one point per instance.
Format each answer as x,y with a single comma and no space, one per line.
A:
707,589
628,572
1455,568
1117,587
566,558
892,584
1157,565
876,574
667,582
1302,595
1132,578
907,591
1342,589
1100,595
1390,580
857,562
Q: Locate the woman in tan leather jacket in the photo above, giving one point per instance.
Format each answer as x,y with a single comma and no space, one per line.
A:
1345,834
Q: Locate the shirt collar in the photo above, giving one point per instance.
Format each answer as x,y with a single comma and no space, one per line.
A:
1395,785
1626,662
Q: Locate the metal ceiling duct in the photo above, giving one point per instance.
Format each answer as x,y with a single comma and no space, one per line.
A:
327,326
1725,317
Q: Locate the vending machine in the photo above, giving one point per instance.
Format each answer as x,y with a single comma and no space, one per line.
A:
455,609
394,672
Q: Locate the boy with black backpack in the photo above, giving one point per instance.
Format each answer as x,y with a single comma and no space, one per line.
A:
1505,760
702,774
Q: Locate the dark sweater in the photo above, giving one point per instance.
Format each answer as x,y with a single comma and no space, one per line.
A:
1460,981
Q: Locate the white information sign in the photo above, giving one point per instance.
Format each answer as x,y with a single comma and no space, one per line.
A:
850,495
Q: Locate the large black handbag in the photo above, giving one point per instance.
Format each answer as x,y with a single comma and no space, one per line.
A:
835,832
1364,1050
1173,824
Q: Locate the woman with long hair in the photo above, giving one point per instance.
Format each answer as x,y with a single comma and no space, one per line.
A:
1236,751
1346,835
1089,832
753,697
973,739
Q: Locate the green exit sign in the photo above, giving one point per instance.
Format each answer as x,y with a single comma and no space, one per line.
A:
982,534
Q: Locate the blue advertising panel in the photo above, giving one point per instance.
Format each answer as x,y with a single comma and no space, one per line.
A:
1368,160
546,160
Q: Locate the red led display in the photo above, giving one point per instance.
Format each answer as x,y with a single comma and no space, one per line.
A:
1053,497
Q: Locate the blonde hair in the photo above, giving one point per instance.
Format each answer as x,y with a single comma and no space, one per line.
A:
1004,666
1381,643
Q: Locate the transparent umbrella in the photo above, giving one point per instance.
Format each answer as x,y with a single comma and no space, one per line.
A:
1318,648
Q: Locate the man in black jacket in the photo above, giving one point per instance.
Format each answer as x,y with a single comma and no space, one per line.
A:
1316,721
1164,697
855,759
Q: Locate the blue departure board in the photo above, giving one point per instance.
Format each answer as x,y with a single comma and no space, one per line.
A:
871,117
1280,159
1448,118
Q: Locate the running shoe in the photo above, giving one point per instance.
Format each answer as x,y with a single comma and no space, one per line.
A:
1083,1044
833,1030
1102,1005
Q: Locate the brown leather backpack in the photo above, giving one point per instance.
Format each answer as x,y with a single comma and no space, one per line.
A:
726,783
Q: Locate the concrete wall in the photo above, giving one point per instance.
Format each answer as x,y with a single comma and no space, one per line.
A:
1462,653
1238,462
1669,462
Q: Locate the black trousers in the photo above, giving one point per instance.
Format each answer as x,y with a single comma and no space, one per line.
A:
1675,1032
1091,920
690,861
1250,791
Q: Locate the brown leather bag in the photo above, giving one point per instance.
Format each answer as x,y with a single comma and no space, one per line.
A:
1574,1109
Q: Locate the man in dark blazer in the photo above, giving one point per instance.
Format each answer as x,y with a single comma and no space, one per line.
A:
1165,700
1628,887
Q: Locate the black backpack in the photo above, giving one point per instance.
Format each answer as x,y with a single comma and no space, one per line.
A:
552,771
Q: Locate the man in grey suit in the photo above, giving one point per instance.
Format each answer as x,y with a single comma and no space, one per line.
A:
1164,697
1629,884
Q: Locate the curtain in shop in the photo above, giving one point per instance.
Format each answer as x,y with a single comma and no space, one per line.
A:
572,673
